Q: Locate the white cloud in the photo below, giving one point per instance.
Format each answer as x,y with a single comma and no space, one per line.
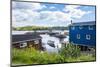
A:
52,7
27,14
29,17
54,16
75,12
25,5
37,6
69,7
24,16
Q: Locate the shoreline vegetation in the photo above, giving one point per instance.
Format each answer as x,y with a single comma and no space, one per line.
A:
30,28
70,53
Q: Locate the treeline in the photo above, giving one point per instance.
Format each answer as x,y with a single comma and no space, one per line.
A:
39,28
60,28
30,28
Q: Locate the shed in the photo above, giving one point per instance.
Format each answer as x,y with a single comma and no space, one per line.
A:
26,40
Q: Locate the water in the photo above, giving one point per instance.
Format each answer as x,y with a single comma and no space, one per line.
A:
22,32
45,38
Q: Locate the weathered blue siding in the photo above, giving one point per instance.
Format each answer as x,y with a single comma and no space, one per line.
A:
83,32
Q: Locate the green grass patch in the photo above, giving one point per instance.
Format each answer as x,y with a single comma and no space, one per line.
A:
31,56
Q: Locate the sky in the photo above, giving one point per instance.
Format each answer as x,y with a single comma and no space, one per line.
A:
47,14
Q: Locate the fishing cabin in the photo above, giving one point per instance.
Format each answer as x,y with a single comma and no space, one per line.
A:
83,33
26,40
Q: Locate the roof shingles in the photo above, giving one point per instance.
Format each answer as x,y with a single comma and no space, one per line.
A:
24,37
84,23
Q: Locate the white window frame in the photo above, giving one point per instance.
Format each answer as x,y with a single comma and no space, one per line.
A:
80,27
88,37
78,36
36,41
90,27
23,44
73,27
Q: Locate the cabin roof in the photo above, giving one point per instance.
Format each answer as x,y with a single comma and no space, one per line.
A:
24,37
84,23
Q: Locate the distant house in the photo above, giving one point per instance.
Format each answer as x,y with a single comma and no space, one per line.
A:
83,33
26,40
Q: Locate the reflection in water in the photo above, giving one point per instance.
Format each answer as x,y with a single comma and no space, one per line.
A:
57,42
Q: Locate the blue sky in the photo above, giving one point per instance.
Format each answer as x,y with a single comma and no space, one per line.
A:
45,14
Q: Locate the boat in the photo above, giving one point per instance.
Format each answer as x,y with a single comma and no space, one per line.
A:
52,33
60,36
51,43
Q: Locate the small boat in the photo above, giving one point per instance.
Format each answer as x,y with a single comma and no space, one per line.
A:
51,43
52,33
60,36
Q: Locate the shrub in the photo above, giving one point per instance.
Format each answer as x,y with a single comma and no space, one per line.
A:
32,56
70,51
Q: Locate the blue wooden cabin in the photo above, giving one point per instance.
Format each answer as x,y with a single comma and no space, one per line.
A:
83,33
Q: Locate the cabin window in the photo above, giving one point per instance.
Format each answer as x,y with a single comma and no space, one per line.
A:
80,27
72,27
90,27
36,41
88,37
23,44
78,36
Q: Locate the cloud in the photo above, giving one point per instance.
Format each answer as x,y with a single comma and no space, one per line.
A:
52,7
24,13
25,5
24,16
54,17
75,12
29,17
27,14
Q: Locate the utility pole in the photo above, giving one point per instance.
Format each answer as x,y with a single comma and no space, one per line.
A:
71,21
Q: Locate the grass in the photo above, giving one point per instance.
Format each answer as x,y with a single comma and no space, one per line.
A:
32,56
